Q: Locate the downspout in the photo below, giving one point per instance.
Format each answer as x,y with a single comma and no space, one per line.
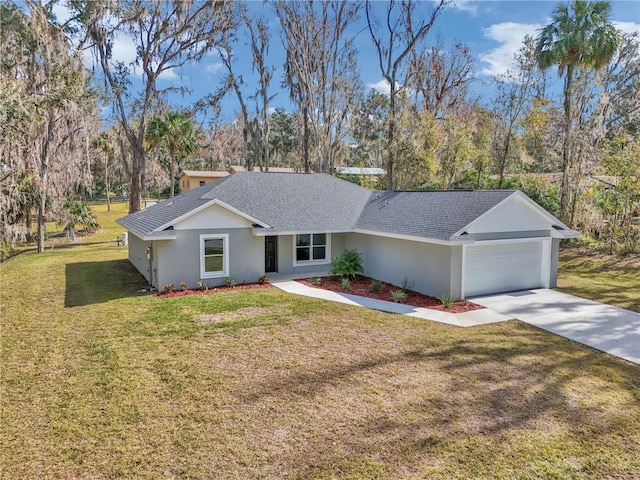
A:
150,258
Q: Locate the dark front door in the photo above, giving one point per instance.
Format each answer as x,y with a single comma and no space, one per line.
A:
270,254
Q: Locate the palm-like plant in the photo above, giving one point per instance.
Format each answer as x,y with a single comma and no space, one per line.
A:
103,144
579,35
78,213
174,131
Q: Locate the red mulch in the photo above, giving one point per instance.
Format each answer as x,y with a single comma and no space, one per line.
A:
223,288
360,287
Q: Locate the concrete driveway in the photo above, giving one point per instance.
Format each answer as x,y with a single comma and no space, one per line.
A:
610,329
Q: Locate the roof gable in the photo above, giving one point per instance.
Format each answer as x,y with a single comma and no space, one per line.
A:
214,215
517,213
431,214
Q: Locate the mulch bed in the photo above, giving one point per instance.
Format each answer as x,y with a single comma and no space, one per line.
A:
360,286
223,288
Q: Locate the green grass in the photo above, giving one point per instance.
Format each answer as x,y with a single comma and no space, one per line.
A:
604,278
99,380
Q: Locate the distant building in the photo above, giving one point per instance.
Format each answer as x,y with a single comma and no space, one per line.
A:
190,179
359,171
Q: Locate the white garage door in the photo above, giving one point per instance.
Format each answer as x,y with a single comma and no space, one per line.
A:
504,267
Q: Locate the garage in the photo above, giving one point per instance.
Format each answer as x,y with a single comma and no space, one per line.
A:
505,266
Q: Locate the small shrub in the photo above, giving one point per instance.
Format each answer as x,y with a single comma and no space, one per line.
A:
230,282
446,300
202,285
407,285
263,279
398,296
168,287
375,286
346,284
184,286
347,265
316,281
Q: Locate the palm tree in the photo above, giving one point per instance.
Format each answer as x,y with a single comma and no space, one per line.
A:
176,133
579,35
104,145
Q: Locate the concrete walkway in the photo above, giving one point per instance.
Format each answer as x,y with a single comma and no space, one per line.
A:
467,319
610,329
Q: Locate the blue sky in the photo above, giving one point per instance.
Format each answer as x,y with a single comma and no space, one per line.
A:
493,29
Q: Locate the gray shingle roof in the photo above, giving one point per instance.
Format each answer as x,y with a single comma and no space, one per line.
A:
430,214
293,201
285,201
148,220
290,202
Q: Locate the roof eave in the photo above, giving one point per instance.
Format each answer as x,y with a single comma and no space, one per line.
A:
565,234
415,238
147,237
265,232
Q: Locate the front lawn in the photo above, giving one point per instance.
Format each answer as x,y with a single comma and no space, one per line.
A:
604,278
102,381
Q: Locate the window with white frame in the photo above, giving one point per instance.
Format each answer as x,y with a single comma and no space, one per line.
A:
214,256
312,248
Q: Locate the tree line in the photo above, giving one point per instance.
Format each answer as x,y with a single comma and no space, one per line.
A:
69,132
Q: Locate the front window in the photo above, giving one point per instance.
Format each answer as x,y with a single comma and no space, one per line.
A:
311,248
214,256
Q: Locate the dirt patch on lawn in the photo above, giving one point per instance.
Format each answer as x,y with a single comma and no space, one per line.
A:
361,286
184,293
240,314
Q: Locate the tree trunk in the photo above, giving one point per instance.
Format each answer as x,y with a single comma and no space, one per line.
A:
305,140
566,154
172,175
136,180
42,204
503,162
106,183
136,186
390,138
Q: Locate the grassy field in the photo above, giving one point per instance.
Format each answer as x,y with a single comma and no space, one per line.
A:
604,278
102,381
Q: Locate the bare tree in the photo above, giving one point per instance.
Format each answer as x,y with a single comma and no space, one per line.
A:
620,100
167,35
441,78
320,72
394,40
514,92
259,36
255,128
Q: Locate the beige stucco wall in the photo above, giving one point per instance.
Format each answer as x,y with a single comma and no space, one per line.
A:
179,259
435,269
138,254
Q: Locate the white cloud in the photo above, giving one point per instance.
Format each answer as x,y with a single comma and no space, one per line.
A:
213,68
382,86
466,6
627,27
510,36
124,49
61,12
170,75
